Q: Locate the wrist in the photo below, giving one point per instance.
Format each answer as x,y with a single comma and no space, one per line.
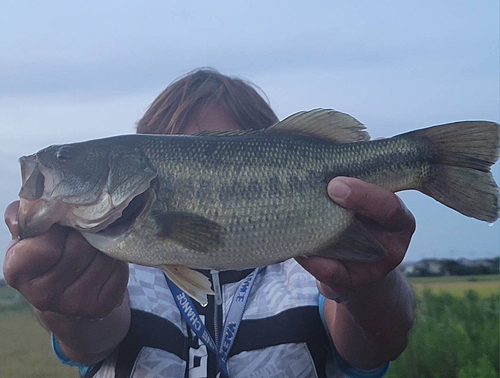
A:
387,289
390,298
87,341
373,326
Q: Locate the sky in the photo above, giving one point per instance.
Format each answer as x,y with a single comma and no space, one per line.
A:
72,71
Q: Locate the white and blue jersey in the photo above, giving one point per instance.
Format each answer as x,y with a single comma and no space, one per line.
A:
281,332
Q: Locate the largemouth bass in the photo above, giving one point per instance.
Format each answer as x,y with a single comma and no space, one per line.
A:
242,199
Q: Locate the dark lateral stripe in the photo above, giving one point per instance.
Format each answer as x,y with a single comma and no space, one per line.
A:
148,330
297,325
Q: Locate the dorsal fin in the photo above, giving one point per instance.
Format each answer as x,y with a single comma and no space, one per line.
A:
324,123
225,133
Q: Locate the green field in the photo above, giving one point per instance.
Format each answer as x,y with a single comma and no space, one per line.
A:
25,350
449,279
6,293
484,286
456,333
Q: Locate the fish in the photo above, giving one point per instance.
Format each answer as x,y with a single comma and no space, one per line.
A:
243,199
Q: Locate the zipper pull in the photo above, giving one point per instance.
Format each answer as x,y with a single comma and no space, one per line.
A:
217,287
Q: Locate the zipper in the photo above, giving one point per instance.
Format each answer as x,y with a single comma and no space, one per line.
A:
218,303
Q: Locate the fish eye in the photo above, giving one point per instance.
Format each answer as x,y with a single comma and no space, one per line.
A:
64,153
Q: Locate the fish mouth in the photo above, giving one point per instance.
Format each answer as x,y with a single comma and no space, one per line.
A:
37,213
51,194
131,214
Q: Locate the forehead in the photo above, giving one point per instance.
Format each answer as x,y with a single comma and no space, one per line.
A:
212,117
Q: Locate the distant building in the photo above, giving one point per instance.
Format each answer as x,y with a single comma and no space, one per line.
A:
446,267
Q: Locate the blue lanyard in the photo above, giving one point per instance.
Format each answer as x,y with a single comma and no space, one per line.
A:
231,323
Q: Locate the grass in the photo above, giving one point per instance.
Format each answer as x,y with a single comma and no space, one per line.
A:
25,350
458,286
456,333
453,336
450,279
6,293
11,300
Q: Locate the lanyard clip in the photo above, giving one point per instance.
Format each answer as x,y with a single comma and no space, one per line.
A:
217,287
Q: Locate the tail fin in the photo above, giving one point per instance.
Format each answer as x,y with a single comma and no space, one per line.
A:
463,153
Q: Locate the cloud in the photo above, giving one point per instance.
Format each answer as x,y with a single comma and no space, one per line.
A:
85,49
78,70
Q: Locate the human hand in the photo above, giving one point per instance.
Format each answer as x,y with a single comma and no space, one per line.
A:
61,272
386,218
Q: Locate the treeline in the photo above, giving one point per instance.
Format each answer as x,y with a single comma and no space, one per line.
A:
448,267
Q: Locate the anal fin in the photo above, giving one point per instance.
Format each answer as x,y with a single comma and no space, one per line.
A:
354,244
193,283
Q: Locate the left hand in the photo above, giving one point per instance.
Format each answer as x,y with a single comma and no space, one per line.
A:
388,220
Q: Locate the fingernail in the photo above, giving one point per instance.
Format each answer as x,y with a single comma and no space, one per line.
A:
339,190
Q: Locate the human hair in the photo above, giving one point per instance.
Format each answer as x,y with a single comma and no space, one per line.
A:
184,98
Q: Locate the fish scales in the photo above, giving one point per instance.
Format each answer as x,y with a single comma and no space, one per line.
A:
290,213
245,199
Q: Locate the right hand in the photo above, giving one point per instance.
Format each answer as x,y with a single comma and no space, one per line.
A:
61,272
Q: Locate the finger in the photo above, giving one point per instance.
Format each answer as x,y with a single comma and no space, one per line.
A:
31,258
10,217
83,297
113,291
76,257
371,201
334,281
329,271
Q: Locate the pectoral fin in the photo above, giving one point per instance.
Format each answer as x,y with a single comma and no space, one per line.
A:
193,283
354,244
191,231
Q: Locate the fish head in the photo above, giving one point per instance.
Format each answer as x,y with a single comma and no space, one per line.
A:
85,186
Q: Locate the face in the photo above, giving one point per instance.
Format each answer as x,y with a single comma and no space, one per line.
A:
211,118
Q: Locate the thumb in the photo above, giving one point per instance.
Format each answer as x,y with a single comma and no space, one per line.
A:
372,202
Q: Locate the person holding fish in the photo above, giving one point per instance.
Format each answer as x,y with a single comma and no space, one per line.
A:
291,264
